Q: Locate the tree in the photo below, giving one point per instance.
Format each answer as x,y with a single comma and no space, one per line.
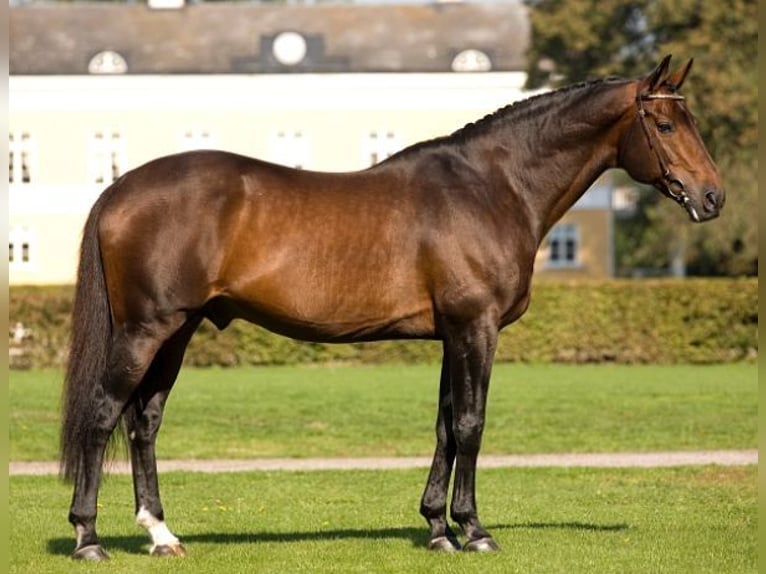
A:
573,40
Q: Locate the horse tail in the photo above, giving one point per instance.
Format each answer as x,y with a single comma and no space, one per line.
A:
89,349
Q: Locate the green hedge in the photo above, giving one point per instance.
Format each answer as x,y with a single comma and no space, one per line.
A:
658,321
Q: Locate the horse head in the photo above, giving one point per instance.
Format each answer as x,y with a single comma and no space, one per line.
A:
663,147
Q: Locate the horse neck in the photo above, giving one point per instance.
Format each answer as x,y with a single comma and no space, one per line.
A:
551,154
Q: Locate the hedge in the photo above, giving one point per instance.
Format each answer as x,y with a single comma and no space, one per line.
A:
656,321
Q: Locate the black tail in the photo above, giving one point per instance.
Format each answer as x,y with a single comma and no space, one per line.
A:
89,349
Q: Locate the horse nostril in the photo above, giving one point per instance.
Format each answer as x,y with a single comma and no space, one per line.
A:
711,201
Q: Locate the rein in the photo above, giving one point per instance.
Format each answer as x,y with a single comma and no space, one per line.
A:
671,182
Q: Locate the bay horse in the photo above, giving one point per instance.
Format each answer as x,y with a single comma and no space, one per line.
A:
437,242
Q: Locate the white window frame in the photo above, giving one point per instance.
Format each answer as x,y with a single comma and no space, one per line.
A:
22,248
291,147
195,139
107,157
22,160
379,145
564,246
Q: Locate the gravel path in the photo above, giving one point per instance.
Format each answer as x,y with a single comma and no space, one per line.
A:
603,460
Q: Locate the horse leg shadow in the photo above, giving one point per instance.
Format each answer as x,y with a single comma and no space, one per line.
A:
418,537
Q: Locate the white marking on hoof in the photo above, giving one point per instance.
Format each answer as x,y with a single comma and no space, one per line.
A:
157,529
176,551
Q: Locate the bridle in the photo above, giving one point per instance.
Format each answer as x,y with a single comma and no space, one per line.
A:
670,182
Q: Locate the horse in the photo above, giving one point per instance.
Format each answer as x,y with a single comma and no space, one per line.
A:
437,242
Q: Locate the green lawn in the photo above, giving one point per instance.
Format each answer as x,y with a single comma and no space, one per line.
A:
696,520
389,410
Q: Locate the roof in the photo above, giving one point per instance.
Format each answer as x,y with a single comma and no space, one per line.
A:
235,37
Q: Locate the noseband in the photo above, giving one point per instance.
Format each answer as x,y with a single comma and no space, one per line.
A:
679,194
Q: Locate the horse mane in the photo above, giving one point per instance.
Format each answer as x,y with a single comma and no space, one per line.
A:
516,111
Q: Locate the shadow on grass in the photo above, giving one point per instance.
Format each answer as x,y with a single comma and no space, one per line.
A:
418,536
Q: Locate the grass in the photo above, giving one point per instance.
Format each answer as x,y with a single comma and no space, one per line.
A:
697,520
547,520
390,410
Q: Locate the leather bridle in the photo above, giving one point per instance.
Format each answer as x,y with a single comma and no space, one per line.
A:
671,182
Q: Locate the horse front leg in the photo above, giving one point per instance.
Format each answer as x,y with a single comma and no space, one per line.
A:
433,505
471,353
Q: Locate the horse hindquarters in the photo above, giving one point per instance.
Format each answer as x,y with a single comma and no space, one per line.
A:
130,359
108,362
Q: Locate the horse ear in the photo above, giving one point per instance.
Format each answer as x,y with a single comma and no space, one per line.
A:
655,79
676,79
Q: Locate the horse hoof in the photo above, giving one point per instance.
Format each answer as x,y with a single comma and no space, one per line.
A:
443,544
91,553
486,544
171,550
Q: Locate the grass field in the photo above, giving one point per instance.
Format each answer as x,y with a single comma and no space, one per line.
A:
695,520
390,410
675,520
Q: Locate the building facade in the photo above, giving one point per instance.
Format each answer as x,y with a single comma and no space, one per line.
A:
332,88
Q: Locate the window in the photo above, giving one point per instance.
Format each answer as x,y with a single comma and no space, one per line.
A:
21,249
379,145
471,61
107,62
106,157
20,158
196,139
291,148
564,246
289,48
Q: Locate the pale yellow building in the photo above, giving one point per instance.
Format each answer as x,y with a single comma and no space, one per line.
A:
311,95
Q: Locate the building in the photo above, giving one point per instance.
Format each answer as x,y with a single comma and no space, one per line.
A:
99,88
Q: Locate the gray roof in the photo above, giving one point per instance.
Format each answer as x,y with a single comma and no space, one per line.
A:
223,37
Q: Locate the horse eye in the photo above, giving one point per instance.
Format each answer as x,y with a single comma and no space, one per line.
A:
664,127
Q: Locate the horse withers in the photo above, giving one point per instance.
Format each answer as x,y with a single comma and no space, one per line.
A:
437,242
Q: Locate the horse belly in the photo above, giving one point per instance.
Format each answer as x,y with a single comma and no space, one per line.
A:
310,306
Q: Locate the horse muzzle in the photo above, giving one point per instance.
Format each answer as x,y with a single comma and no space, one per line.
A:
701,207
708,206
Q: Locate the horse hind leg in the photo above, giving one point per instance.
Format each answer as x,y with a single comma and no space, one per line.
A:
143,419
83,509
131,355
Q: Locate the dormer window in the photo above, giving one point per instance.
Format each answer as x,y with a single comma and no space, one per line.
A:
471,61
107,62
